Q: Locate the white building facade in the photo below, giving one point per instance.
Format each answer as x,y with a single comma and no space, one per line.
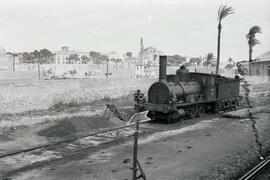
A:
150,55
5,60
61,57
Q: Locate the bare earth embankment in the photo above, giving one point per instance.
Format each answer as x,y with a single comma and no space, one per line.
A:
21,96
36,112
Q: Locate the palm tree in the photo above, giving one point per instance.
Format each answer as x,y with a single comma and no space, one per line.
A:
209,57
223,11
252,41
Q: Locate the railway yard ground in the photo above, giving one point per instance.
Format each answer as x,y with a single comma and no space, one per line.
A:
209,147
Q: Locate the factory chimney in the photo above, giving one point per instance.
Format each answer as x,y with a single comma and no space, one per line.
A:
141,51
162,68
142,48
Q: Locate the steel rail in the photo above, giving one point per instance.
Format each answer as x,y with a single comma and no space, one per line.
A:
36,164
74,152
61,141
254,171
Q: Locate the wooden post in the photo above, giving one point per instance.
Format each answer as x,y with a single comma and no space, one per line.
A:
135,151
137,118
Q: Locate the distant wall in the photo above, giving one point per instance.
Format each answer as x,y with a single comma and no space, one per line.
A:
260,68
257,79
63,70
18,96
18,75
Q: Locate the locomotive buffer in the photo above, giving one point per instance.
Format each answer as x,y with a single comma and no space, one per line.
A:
137,118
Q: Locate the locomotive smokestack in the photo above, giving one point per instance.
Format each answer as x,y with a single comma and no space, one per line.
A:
162,68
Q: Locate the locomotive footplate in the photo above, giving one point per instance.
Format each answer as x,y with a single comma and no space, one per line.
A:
164,108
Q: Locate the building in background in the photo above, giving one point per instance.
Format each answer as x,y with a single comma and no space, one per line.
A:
114,56
6,61
149,56
261,65
63,56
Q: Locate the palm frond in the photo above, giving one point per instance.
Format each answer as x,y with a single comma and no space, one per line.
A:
224,11
254,30
253,42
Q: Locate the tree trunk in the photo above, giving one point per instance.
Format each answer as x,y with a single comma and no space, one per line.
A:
249,60
218,48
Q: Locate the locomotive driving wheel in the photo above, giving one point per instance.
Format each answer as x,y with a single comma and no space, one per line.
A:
192,114
210,108
234,104
197,110
173,117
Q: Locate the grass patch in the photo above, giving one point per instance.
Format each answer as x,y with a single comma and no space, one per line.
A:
121,101
61,105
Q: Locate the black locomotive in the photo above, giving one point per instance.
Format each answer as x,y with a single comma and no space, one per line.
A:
187,94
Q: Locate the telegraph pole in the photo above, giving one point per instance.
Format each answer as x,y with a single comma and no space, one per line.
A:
13,61
107,69
38,69
107,74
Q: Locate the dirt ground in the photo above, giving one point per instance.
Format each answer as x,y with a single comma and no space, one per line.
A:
210,147
206,148
31,128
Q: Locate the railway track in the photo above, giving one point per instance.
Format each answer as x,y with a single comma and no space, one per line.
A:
59,142
253,173
63,148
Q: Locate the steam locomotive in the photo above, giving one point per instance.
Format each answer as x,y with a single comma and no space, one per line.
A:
188,94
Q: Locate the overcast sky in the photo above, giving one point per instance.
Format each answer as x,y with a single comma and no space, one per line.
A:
185,27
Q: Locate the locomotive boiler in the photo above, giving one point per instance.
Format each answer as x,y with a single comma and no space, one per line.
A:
187,94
